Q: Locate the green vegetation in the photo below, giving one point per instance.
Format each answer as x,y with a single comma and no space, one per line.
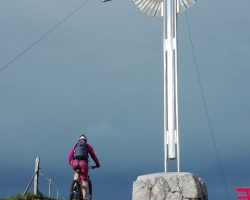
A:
28,196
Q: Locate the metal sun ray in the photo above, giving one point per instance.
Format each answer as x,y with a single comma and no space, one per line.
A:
155,8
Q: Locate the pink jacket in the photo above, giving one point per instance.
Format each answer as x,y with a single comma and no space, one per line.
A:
90,151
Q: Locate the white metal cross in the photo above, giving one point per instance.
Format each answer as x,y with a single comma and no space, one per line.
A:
168,9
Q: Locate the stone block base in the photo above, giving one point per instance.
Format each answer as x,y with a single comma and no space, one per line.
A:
169,186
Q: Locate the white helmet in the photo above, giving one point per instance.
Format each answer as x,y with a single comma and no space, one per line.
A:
83,137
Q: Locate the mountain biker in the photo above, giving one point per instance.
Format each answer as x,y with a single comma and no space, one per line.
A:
80,160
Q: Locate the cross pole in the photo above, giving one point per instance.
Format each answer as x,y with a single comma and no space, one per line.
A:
171,131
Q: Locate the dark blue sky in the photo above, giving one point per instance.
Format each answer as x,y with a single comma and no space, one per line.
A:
100,73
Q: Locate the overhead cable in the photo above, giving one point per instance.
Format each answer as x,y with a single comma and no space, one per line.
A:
207,113
14,59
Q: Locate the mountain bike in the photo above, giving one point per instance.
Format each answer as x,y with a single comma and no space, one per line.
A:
76,187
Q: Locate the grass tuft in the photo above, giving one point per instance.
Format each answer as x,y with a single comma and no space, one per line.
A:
28,196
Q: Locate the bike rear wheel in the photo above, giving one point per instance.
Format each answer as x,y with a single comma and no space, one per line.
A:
75,190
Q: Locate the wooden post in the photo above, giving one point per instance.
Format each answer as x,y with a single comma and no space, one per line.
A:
36,178
50,186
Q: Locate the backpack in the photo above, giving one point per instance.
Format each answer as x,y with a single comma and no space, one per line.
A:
81,151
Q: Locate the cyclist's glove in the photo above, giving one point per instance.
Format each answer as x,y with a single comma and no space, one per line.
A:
97,166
